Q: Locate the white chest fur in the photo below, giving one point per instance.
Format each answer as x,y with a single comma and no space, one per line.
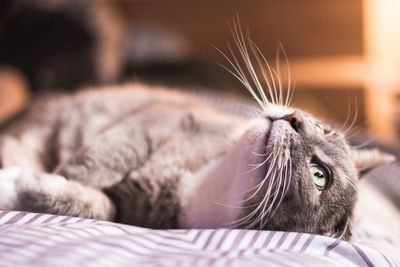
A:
213,197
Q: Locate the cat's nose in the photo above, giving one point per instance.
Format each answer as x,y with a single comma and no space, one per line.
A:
295,120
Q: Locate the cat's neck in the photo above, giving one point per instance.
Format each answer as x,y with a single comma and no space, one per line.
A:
214,196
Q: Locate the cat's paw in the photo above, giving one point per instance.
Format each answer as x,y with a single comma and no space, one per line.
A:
10,183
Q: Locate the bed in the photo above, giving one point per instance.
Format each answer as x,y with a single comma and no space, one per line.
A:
30,239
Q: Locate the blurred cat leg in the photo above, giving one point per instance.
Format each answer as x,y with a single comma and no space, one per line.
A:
28,190
24,150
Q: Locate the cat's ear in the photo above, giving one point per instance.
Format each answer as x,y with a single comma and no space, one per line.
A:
367,159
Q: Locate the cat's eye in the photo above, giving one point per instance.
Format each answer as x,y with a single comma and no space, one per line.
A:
320,176
319,128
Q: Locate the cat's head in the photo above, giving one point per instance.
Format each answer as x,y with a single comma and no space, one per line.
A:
305,174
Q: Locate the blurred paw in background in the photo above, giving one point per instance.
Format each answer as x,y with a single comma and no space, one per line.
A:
55,45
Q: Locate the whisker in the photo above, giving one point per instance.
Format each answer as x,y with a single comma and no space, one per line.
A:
278,72
354,119
234,207
245,219
248,74
269,68
289,73
347,116
267,196
257,53
355,131
258,165
248,87
365,143
351,183
261,206
242,48
266,213
292,92
259,185
278,79
239,72
238,66
285,186
258,154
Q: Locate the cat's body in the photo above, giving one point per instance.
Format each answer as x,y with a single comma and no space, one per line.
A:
163,159
137,141
132,135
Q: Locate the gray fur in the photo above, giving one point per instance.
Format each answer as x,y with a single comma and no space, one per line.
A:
136,144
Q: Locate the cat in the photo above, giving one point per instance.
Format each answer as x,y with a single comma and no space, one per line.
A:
162,159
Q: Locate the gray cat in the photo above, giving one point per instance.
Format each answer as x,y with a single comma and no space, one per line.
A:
162,159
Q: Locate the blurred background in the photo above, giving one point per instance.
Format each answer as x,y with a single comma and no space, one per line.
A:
344,54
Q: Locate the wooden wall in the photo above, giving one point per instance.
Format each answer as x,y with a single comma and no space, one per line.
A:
306,28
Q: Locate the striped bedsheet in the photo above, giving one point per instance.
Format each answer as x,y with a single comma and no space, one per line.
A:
30,239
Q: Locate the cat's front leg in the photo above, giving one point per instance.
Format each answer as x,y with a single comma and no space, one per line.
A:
28,190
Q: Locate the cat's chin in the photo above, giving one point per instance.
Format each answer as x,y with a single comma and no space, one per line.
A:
212,197
252,148
278,143
266,145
